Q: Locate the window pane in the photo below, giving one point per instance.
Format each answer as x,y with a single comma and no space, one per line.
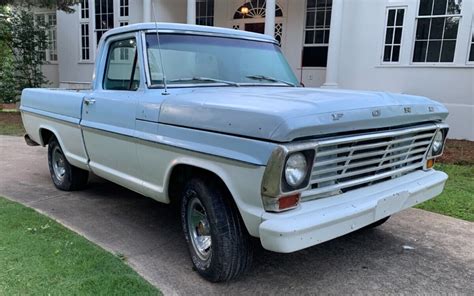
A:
309,38
320,19
315,56
434,51
386,53
471,54
310,19
447,53
426,7
326,36
451,28
319,37
396,53
398,36
437,25
311,4
439,7
328,18
419,54
321,3
389,36
391,17
422,29
400,15
454,6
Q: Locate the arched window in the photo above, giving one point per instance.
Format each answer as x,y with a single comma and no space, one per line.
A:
254,9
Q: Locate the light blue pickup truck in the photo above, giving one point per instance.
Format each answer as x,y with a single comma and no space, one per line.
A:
214,120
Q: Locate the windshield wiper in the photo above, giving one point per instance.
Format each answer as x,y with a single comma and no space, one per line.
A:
204,79
269,78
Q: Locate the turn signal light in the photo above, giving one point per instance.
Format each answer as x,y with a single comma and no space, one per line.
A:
430,163
290,201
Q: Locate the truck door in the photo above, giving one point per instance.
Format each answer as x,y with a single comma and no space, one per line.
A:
108,116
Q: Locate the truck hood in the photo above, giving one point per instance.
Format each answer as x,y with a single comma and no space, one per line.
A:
282,114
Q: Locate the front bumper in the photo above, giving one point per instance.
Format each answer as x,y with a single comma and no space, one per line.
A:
323,219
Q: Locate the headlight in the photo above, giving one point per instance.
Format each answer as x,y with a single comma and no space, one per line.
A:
296,168
438,142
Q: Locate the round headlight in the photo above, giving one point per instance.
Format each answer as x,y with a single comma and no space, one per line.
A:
295,169
437,143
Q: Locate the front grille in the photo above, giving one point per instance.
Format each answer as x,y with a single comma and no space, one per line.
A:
350,162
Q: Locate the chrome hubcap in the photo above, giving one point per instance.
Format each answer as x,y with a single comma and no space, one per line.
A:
59,167
199,229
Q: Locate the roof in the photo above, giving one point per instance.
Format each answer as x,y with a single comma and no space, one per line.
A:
183,28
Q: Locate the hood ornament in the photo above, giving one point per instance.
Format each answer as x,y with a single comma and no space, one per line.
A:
337,116
407,109
376,113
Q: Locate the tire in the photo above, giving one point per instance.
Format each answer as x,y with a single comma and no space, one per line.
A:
225,248
377,223
64,175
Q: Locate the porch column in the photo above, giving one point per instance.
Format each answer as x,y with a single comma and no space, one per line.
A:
146,11
335,37
191,12
270,18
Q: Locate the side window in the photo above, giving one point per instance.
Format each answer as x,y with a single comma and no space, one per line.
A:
393,35
122,70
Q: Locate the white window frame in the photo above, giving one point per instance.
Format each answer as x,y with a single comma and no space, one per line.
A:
206,13
396,8
53,29
125,4
470,43
314,29
418,17
86,21
115,14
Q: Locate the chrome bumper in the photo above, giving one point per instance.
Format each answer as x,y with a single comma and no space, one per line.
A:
323,219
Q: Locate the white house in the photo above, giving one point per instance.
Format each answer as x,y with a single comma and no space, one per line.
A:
423,47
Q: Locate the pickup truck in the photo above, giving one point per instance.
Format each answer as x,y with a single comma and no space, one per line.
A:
215,121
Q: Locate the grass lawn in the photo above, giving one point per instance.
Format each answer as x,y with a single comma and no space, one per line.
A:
457,199
10,124
40,257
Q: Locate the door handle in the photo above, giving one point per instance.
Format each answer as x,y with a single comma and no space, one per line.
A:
89,101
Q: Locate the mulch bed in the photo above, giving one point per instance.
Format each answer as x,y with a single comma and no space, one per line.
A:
458,152
10,118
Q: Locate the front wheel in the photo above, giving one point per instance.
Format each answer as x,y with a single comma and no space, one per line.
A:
64,175
218,242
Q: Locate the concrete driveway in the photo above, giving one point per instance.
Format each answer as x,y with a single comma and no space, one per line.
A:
149,235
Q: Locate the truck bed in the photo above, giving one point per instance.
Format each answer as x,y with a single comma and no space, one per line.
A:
61,104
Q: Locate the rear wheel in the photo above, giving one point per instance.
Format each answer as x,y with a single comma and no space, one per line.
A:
64,175
218,242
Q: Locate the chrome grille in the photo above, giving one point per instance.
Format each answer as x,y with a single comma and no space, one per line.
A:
350,162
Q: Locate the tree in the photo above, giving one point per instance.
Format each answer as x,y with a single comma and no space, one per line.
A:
64,5
24,43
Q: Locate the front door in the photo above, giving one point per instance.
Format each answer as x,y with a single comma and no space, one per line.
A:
255,27
108,119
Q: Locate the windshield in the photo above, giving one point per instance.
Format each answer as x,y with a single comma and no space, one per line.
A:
195,60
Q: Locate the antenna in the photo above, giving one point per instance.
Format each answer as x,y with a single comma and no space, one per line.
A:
165,93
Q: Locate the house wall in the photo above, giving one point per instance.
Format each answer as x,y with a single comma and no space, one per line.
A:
51,73
69,37
360,64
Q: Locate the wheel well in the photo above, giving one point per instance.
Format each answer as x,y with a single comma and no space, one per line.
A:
183,172
46,136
